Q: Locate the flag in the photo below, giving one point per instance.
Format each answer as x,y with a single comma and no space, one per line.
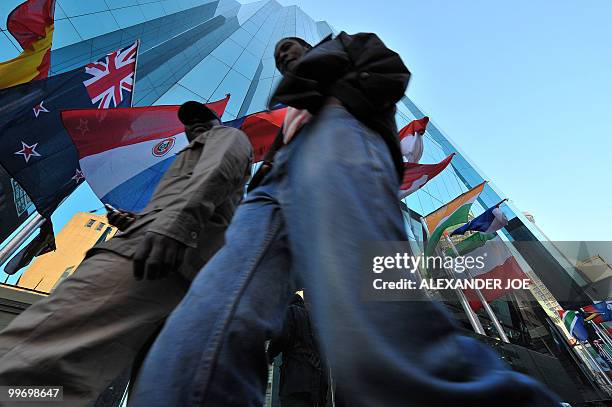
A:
411,139
470,243
574,324
31,23
261,129
451,214
490,221
498,265
598,312
37,151
417,175
15,206
41,244
124,153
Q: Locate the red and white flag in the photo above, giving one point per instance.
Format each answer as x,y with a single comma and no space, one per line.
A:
498,266
411,139
417,175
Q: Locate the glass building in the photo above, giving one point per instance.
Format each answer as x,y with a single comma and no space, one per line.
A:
204,49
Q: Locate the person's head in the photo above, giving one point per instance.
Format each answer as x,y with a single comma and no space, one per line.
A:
197,117
288,51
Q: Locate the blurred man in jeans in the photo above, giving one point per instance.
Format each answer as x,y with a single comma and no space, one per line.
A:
331,190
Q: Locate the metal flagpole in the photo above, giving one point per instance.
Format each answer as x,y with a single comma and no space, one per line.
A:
602,348
603,335
465,304
603,338
481,298
28,230
552,306
598,368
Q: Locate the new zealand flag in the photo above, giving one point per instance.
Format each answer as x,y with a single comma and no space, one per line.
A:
35,148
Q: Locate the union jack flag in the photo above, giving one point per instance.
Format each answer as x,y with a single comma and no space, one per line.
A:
111,76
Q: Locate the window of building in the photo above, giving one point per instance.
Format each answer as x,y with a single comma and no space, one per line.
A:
90,223
100,226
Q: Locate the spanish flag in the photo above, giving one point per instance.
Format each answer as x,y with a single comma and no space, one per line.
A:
31,23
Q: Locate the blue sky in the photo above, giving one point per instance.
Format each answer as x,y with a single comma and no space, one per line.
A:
523,87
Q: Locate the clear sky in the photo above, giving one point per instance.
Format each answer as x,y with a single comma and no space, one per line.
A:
523,87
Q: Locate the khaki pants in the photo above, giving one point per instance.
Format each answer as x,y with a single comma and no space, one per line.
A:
88,331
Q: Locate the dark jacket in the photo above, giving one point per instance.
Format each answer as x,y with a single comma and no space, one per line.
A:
366,76
195,200
302,369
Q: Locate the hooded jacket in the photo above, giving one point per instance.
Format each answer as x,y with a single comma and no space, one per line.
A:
359,70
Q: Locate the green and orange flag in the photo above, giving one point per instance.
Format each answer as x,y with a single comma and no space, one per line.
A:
31,23
453,213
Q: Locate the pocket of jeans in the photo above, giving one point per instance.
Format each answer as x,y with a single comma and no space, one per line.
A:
380,159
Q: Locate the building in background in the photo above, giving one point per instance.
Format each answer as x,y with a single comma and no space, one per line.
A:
204,49
82,232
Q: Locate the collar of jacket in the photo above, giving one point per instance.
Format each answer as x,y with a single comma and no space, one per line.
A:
200,138
325,39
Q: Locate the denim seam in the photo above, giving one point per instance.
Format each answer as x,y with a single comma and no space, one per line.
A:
203,373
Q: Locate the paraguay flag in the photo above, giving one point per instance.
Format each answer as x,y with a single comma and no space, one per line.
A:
261,128
36,150
124,153
489,221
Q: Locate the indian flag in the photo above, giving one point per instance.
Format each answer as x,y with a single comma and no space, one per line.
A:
453,213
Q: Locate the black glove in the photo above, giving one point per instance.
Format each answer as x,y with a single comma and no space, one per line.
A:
157,256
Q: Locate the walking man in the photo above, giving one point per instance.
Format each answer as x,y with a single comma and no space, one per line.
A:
303,373
331,190
93,325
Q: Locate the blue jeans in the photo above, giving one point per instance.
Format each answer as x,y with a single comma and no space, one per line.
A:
331,189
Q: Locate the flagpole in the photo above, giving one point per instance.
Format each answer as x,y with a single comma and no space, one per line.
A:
135,68
13,245
595,363
601,333
481,298
581,352
465,304
602,348
501,202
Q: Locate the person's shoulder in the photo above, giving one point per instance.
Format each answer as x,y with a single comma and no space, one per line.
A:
233,131
231,134
226,131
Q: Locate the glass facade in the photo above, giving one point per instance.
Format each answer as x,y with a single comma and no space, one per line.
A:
204,49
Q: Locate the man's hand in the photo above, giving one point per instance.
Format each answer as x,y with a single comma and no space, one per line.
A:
157,256
119,218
